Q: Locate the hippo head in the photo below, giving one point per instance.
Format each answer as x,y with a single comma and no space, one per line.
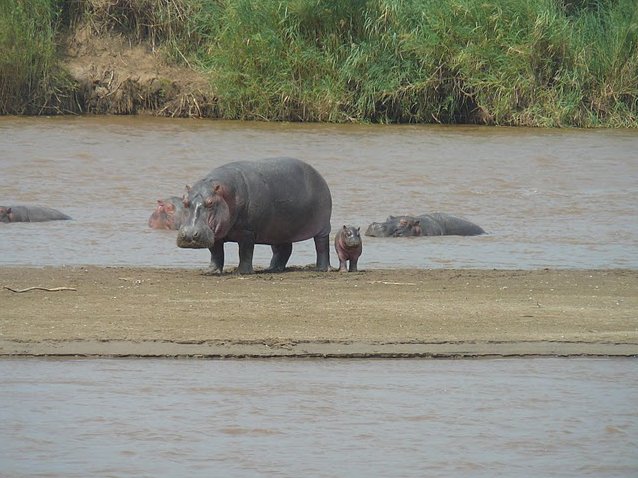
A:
350,237
169,214
208,215
378,229
5,214
407,226
164,215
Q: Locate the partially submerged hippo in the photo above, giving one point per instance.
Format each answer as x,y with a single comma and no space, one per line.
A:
348,246
169,214
30,214
435,224
276,201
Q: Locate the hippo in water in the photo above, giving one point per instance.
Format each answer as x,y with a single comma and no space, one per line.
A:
348,246
169,214
30,214
435,224
276,201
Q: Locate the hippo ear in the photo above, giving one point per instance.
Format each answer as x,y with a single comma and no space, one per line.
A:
9,210
216,189
358,229
417,222
344,227
188,189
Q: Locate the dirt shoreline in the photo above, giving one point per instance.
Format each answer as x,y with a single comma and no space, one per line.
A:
152,312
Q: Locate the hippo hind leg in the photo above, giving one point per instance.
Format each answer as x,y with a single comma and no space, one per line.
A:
280,255
322,246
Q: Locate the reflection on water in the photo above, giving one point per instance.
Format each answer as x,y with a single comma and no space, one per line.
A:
548,198
482,418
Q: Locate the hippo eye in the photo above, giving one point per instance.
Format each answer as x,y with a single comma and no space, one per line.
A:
208,202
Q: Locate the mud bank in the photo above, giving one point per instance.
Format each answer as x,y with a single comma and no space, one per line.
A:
116,76
381,313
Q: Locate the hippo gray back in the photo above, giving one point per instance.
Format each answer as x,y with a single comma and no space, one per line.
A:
30,214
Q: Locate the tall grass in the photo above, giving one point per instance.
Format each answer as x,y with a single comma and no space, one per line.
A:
513,62
508,62
30,80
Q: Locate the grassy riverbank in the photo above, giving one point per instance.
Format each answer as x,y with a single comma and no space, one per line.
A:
508,62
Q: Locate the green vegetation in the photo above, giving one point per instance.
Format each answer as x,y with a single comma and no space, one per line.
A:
508,62
31,82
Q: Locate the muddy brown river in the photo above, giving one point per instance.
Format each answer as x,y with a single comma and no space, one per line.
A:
372,418
548,198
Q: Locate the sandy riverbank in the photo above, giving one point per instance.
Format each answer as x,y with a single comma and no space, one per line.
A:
382,313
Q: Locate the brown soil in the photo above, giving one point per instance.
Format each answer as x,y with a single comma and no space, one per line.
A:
381,313
116,76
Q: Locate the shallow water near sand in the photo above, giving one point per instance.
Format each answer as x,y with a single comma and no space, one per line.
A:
547,198
200,418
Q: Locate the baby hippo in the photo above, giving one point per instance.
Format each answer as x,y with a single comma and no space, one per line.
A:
348,246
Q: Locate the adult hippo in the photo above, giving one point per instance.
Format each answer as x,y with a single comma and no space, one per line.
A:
30,214
276,201
435,224
169,214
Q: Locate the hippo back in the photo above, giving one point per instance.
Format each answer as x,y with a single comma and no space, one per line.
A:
35,214
454,226
280,199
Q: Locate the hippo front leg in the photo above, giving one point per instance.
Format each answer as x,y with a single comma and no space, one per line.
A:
216,259
322,246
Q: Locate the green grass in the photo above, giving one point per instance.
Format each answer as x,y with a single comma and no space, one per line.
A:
508,62
30,80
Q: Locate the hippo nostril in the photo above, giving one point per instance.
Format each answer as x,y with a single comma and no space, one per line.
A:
196,235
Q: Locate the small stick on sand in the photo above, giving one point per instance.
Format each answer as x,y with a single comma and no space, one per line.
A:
54,289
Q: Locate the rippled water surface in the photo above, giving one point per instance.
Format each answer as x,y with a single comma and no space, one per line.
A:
548,198
200,418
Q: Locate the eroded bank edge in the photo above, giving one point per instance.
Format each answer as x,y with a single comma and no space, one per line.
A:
321,349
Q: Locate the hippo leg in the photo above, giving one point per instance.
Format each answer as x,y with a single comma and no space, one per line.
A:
280,255
322,246
353,265
216,259
246,249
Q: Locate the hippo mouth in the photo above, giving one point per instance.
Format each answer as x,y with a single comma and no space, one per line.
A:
190,237
352,242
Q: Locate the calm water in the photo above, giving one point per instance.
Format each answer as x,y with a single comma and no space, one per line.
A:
548,198
199,418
